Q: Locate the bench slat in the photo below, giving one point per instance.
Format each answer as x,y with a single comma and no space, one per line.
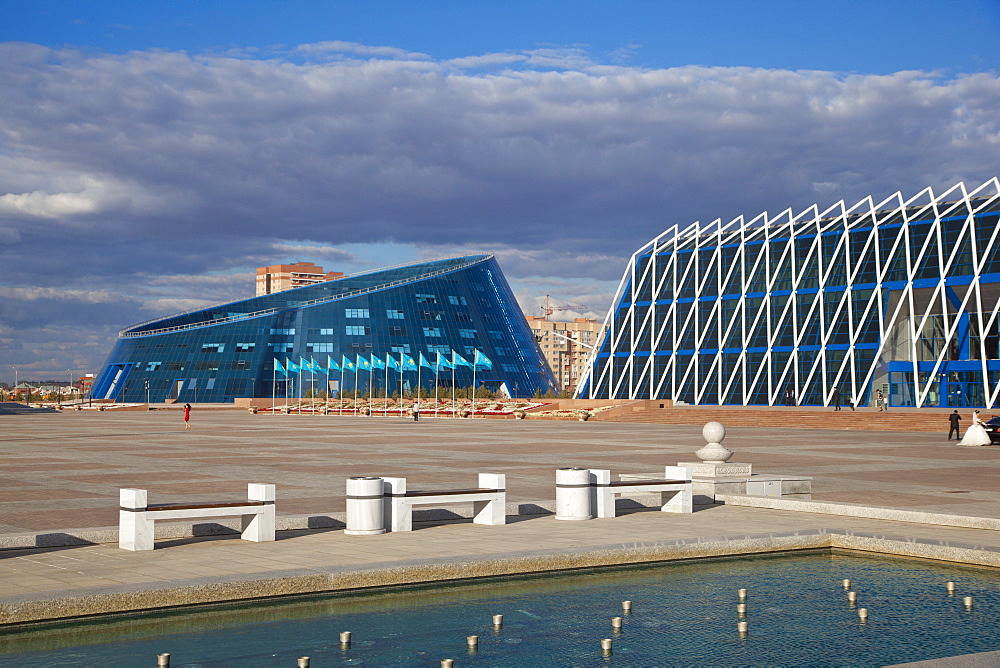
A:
198,506
640,483
452,492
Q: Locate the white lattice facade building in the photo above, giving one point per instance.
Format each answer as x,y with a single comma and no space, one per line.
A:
900,296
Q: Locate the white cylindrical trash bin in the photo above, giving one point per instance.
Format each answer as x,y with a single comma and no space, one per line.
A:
573,494
364,506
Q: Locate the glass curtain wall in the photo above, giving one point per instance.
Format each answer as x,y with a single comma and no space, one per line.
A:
900,296
450,307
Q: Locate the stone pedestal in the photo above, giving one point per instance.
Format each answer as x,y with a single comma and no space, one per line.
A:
717,469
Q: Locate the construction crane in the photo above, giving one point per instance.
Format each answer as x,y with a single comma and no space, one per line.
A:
551,307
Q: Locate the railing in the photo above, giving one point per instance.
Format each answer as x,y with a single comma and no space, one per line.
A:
131,333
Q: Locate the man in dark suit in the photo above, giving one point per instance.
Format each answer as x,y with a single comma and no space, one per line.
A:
836,399
954,419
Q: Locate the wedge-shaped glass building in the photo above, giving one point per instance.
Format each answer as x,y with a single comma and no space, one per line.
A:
900,296
419,318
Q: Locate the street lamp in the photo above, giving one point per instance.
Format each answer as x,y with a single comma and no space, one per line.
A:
15,382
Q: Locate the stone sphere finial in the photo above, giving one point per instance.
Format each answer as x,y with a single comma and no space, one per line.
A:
714,432
714,452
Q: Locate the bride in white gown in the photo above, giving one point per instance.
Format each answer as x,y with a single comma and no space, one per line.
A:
975,434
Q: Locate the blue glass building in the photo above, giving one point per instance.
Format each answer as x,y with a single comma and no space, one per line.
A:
900,297
455,306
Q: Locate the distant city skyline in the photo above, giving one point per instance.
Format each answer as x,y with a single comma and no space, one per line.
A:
151,156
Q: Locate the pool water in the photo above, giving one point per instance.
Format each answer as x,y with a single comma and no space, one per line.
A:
683,614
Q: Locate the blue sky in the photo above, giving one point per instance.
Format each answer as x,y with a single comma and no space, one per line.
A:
866,36
153,154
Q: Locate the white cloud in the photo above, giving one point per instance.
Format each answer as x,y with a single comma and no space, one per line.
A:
44,205
486,60
337,46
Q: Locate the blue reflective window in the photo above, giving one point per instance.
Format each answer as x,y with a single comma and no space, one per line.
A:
432,331
357,330
457,300
467,333
213,347
426,299
356,313
393,314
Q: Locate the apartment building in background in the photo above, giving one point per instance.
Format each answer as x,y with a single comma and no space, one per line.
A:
281,277
567,346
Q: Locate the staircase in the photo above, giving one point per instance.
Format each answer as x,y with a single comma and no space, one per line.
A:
863,419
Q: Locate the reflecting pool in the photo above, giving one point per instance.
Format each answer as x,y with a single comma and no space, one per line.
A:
683,614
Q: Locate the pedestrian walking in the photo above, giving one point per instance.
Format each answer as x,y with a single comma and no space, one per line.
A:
187,416
835,399
416,411
880,401
953,420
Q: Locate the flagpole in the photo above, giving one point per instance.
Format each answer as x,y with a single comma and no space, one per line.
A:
312,384
340,387
437,368
371,383
474,382
326,390
274,381
453,411
401,384
385,399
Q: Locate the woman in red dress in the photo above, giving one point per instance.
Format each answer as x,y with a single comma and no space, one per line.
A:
187,416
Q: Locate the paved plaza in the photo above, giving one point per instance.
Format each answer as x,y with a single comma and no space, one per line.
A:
62,472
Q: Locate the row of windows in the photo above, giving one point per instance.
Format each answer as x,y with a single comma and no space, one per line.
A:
241,365
452,299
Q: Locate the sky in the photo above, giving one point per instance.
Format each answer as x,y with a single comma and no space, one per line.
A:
153,154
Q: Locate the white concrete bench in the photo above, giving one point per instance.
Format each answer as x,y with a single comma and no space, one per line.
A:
675,490
136,516
489,501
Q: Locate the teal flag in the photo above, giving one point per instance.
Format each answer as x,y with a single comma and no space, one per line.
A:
316,366
481,361
409,364
346,364
391,361
377,362
442,361
292,366
331,365
363,363
423,361
458,360
280,369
